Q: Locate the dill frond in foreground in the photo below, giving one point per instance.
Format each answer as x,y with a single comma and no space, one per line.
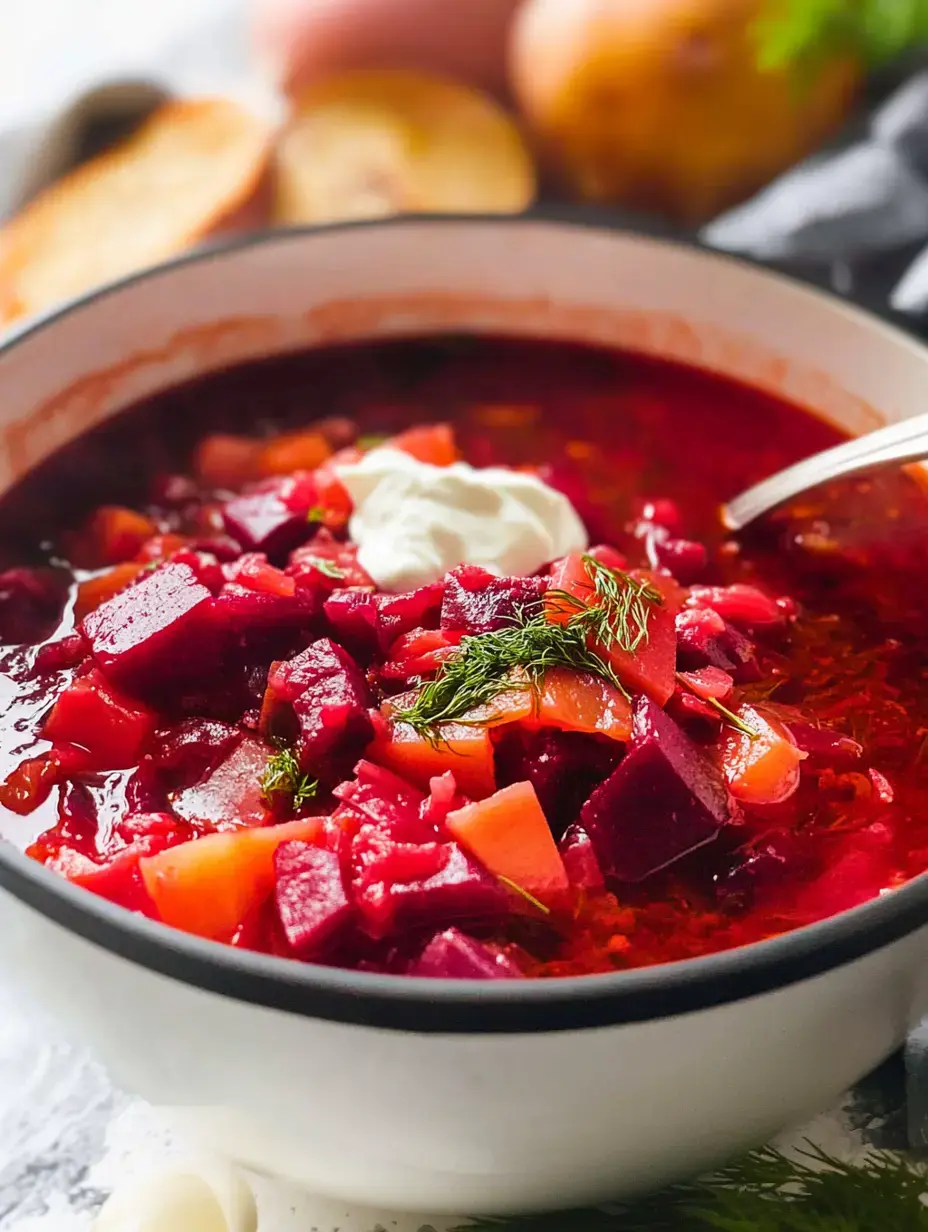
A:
765,1191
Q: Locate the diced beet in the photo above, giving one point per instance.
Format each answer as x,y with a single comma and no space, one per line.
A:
31,603
153,634
381,800
330,700
77,818
326,564
477,602
744,606
60,655
664,800
563,767
698,718
684,559
108,730
661,512
708,683
459,890
204,564
187,751
367,623
270,519
583,871
251,623
146,791
778,862
451,955
310,896
825,747
230,796
704,639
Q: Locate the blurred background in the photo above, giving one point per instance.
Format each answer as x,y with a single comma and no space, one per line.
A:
794,131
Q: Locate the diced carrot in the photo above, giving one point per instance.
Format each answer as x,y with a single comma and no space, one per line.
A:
97,590
29,784
651,667
207,886
110,729
580,701
510,836
253,571
762,770
709,683
294,451
467,751
114,534
433,443
160,547
334,501
571,589
227,461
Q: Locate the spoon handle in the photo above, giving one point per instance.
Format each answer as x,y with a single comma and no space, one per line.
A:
906,441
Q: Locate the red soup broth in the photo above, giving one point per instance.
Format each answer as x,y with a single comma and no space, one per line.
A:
637,445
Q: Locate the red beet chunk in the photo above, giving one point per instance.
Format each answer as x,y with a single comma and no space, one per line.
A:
272,519
477,602
230,796
419,653
187,751
368,624
109,731
452,955
583,871
664,800
154,633
704,639
60,655
326,564
685,559
249,623
330,700
310,896
146,790
380,801
415,897
743,606
825,747
563,767
31,603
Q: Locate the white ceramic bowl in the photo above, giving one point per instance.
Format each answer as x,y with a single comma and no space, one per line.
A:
425,1095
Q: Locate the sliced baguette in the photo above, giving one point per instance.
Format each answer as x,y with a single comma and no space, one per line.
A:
374,143
191,167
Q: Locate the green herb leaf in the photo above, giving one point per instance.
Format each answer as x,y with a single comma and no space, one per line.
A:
767,1191
804,33
316,514
326,567
523,893
489,664
283,777
728,715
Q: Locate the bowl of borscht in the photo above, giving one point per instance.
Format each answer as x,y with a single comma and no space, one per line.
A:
405,776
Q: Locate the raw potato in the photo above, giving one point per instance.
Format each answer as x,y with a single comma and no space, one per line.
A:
182,176
659,104
371,144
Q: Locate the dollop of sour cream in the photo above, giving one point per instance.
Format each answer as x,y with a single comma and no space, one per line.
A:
413,522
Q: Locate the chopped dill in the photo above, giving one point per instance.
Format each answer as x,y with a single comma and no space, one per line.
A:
283,777
488,663
328,568
316,514
728,715
523,893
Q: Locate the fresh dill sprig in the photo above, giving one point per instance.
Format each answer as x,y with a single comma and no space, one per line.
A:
805,33
517,656
316,514
765,1191
728,715
328,568
523,893
282,777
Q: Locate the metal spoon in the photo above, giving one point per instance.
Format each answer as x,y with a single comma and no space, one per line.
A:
894,445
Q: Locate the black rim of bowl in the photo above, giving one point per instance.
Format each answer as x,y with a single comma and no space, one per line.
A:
463,1007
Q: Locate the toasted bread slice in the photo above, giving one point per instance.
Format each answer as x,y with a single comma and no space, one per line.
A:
190,167
373,143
